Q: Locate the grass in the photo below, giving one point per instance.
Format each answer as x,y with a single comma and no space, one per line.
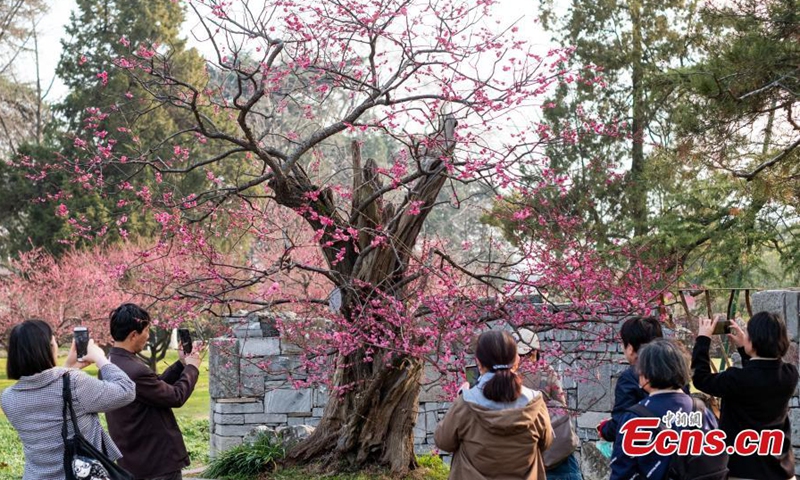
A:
192,418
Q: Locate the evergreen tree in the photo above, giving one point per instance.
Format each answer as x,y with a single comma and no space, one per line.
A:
100,30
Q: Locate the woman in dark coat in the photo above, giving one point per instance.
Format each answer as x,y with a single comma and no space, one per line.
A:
755,396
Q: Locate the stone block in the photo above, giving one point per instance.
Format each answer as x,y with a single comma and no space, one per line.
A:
786,303
313,421
233,408
289,348
220,444
233,419
223,368
770,301
419,430
252,377
591,419
259,347
299,415
431,420
297,421
794,418
233,430
792,306
288,401
283,367
320,397
431,391
247,330
265,418
293,434
596,393
797,464
317,412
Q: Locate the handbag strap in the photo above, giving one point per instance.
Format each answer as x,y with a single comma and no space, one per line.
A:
67,394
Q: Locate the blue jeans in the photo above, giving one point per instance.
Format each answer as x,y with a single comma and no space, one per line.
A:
569,469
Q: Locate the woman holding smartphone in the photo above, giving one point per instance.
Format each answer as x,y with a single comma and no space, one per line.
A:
755,396
498,428
34,404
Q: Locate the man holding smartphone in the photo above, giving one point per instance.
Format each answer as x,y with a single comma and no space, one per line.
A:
146,431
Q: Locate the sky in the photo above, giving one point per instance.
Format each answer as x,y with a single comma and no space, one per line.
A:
52,31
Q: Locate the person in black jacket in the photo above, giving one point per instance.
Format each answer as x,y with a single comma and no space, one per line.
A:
755,396
635,332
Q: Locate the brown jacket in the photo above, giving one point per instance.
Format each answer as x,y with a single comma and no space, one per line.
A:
495,444
146,431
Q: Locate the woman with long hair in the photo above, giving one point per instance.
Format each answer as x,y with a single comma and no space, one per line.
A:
34,404
498,428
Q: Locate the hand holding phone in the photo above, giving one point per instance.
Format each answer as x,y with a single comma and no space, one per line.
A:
723,327
472,373
81,337
185,337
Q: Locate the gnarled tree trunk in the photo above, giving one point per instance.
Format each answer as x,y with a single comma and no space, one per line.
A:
371,420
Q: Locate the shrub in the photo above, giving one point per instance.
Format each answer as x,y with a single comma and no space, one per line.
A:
247,460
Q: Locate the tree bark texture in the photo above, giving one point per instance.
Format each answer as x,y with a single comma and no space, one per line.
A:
373,405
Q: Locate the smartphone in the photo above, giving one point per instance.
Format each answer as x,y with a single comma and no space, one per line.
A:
722,327
472,373
81,336
185,337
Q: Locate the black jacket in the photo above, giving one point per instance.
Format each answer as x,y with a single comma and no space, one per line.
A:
626,394
146,431
756,397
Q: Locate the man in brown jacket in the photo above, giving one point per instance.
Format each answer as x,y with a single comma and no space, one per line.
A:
146,431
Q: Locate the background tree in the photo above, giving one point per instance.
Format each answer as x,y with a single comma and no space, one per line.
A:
20,101
703,86
98,31
741,126
636,45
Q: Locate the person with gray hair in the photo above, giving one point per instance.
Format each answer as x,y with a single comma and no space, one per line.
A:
663,371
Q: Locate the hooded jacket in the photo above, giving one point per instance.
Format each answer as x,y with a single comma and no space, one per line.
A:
34,407
496,441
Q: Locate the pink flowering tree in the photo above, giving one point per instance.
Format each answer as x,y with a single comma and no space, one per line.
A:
292,213
71,291
82,287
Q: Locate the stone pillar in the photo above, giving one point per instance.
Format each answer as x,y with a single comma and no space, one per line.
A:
249,375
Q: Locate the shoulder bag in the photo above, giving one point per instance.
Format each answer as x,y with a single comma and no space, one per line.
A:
82,461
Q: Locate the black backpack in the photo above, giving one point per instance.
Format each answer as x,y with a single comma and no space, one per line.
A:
690,467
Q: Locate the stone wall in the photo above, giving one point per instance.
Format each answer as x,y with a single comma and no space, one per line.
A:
249,380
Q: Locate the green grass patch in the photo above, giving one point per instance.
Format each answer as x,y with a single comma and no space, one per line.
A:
12,461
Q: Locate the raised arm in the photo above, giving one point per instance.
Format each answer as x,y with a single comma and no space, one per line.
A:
93,395
716,384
